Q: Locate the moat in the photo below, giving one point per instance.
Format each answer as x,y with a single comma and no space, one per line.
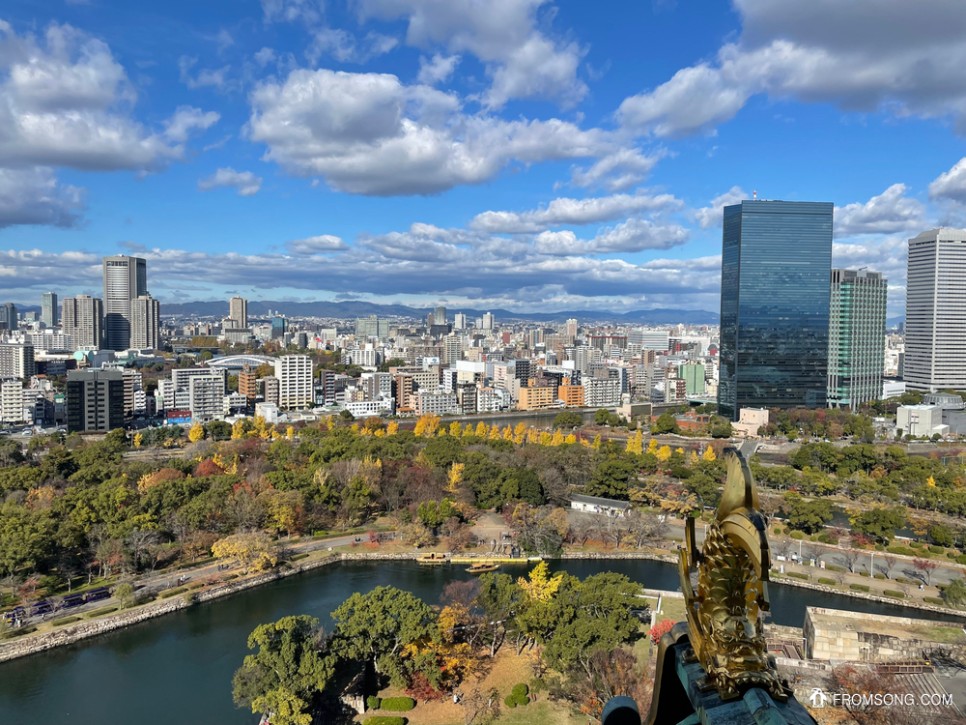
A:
178,668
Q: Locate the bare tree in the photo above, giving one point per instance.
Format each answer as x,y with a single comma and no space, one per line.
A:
851,558
890,563
924,569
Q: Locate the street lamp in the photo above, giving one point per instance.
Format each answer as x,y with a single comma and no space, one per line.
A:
871,564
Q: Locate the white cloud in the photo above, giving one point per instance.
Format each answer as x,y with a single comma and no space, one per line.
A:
319,244
292,11
617,171
950,184
34,196
344,47
437,69
368,133
520,59
573,211
862,55
246,182
889,212
187,119
204,78
632,235
711,215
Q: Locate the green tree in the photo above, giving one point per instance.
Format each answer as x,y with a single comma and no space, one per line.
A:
569,419
612,478
376,626
942,535
719,427
665,423
879,523
807,515
955,592
288,672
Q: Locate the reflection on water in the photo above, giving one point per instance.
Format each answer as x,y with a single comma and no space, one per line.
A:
178,668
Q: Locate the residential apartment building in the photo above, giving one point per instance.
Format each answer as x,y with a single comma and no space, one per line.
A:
83,319
17,361
145,323
48,309
296,381
95,400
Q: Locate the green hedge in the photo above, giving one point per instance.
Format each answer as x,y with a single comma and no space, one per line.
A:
834,567
17,632
894,593
934,600
373,702
66,620
299,557
797,535
172,592
825,580
937,549
905,580
961,559
859,587
398,704
797,575
100,612
901,550
384,720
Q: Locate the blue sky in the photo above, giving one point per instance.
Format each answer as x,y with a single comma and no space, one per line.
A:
526,154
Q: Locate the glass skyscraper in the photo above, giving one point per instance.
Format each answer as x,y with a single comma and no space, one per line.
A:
856,344
775,265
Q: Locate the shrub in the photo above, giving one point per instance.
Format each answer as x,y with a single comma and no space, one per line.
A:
11,632
934,600
172,592
894,593
915,544
798,575
66,620
901,550
936,549
825,580
384,720
834,567
777,530
100,612
398,704
797,535
373,702
518,695
299,557
905,580
961,559
859,587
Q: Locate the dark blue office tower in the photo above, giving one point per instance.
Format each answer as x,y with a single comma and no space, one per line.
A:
775,264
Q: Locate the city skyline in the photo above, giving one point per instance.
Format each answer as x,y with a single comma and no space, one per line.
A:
393,151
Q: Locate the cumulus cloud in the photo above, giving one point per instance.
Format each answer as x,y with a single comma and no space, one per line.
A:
711,215
319,244
520,59
617,171
437,69
951,184
63,101
186,120
633,235
34,196
863,55
573,211
246,182
368,133
887,213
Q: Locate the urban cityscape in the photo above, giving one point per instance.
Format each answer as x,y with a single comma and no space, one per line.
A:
407,362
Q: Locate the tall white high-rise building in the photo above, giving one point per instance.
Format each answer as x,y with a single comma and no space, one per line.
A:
125,279
238,312
145,322
48,309
296,387
488,320
82,317
936,311
459,321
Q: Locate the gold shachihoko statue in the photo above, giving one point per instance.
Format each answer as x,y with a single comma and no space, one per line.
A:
725,613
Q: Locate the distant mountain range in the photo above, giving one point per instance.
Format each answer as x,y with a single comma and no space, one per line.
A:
352,309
